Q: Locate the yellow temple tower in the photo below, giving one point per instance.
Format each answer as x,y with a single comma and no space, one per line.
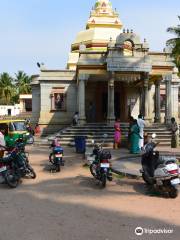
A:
103,24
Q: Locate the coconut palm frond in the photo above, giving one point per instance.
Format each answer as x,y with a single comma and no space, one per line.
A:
23,82
175,44
172,41
174,30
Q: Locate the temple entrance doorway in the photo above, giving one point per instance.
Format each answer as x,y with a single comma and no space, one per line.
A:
97,102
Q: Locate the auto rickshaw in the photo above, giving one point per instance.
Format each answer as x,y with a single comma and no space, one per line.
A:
16,129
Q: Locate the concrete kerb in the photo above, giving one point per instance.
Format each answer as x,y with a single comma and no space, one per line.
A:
134,173
127,173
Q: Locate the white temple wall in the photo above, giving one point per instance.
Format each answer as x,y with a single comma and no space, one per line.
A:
57,117
174,101
35,103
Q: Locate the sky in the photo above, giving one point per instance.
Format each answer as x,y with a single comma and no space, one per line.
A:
34,31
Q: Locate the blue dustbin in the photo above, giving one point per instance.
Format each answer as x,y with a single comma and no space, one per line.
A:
80,144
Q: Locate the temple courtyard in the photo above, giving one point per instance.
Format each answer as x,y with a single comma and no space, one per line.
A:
71,205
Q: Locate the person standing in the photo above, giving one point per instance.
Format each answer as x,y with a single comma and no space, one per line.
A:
134,138
141,124
117,134
2,143
91,112
175,133
37,130
75,119
131,120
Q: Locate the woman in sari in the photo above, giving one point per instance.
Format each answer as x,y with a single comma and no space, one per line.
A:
175,133
134,138
117,134
131,121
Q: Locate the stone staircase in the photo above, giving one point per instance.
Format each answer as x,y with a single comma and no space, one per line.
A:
96,131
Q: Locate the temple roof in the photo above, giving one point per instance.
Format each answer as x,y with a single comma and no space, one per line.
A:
103,7
103,15
128,36
103,24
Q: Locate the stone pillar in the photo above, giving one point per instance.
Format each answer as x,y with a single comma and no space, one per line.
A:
81,98
168,110
24,105
150,103
111,114
141,105
146,97
157,118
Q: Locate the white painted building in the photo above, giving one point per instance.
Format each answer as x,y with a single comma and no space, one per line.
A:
10,110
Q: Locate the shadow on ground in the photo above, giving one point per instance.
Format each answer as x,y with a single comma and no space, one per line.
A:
41,212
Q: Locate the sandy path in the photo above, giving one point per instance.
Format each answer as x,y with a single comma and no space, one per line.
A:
70,205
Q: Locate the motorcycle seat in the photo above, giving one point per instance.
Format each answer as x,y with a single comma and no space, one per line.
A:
58,149
166,159
105,155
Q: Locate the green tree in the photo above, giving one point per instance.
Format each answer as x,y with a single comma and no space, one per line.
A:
23,81
7,89
175,44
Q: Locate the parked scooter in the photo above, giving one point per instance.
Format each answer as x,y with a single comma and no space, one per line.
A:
161,172
100,168
56,156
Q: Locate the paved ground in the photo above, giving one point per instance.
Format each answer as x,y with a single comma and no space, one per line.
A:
71,206
130,164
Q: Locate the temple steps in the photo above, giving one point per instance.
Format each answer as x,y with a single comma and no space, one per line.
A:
96,131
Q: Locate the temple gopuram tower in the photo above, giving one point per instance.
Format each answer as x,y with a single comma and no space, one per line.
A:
103,24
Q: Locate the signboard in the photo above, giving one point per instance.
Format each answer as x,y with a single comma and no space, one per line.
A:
126,66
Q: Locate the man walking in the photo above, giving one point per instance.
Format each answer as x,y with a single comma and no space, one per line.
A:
141,124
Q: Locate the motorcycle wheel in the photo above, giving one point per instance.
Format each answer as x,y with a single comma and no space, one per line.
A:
103,180
173,192
92,170
146,180
12,179
32,173
62,162
58,168
109,177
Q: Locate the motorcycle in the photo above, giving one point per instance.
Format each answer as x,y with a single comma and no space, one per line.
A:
160,172
22,159
56,158
100,168
15,165
30,138
9,173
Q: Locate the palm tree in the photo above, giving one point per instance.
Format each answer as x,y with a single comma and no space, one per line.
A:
23,83
7,89
175,43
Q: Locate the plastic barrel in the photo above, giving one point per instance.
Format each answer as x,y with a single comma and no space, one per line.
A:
80,144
